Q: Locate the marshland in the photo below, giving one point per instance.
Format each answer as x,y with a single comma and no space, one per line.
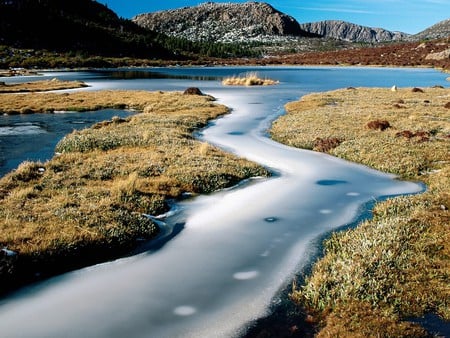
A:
251,240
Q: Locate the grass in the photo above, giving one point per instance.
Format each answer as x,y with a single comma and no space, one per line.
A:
40,86
249,79
87,203
396,265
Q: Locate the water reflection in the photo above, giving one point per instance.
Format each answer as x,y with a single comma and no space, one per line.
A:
152,74
34,137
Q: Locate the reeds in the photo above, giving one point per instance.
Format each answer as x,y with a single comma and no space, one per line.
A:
249,79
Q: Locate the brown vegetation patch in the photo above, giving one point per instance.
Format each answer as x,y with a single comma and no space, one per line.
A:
401,54
378,125
447,105
405,133
326,144
422,136
399,106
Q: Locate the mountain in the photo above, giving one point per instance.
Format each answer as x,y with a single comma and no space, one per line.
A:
84,26
223,22
437,31
347,31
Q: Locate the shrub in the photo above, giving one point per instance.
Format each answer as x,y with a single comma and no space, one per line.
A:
378,125
326,144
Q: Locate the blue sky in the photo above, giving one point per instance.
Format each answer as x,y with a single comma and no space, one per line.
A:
409,16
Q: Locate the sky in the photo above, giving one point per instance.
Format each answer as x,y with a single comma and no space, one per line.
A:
408,16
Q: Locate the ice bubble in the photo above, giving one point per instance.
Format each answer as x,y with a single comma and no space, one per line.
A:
326,211
353,193
246,275
185,310
265,253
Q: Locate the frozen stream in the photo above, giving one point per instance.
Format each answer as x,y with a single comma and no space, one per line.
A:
237,247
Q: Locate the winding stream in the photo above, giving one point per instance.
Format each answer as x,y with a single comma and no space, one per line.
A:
237,247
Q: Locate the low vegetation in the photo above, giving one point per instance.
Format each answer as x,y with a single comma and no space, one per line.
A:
39,86
396,265
249,79
88,203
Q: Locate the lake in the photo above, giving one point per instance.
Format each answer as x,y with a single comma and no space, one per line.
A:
234,250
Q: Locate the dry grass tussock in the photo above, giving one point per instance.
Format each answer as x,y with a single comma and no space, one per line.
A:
249,79
396,265
92,196
40,86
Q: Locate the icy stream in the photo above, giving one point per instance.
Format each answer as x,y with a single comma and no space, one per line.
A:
237,247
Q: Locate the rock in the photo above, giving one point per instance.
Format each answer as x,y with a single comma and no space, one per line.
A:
438,31
439,55
222,22
417,90
7,261
192,91
342,30
378,125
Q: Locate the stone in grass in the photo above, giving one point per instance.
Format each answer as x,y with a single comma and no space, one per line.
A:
193,91
378,125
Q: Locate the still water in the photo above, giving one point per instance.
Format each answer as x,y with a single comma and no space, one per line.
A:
237,248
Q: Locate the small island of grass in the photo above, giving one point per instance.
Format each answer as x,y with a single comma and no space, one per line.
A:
40,86
249,79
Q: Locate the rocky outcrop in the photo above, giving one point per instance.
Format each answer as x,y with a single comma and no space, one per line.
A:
437,31
347,31
222,22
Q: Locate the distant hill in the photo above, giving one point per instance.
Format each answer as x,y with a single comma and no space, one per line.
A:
84,26
437,31
347,31
223,22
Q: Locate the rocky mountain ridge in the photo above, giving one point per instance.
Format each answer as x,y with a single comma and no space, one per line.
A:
223,22
439,30
342,30
253,21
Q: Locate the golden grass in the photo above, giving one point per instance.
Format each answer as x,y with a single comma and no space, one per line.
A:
40,86
249,79
396,265
95,192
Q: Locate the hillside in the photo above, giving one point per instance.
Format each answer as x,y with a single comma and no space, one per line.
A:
347,31
223,22
433,53
437,31
83,26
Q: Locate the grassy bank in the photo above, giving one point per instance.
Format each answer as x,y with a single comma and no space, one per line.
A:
371,279
40,86
87,203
